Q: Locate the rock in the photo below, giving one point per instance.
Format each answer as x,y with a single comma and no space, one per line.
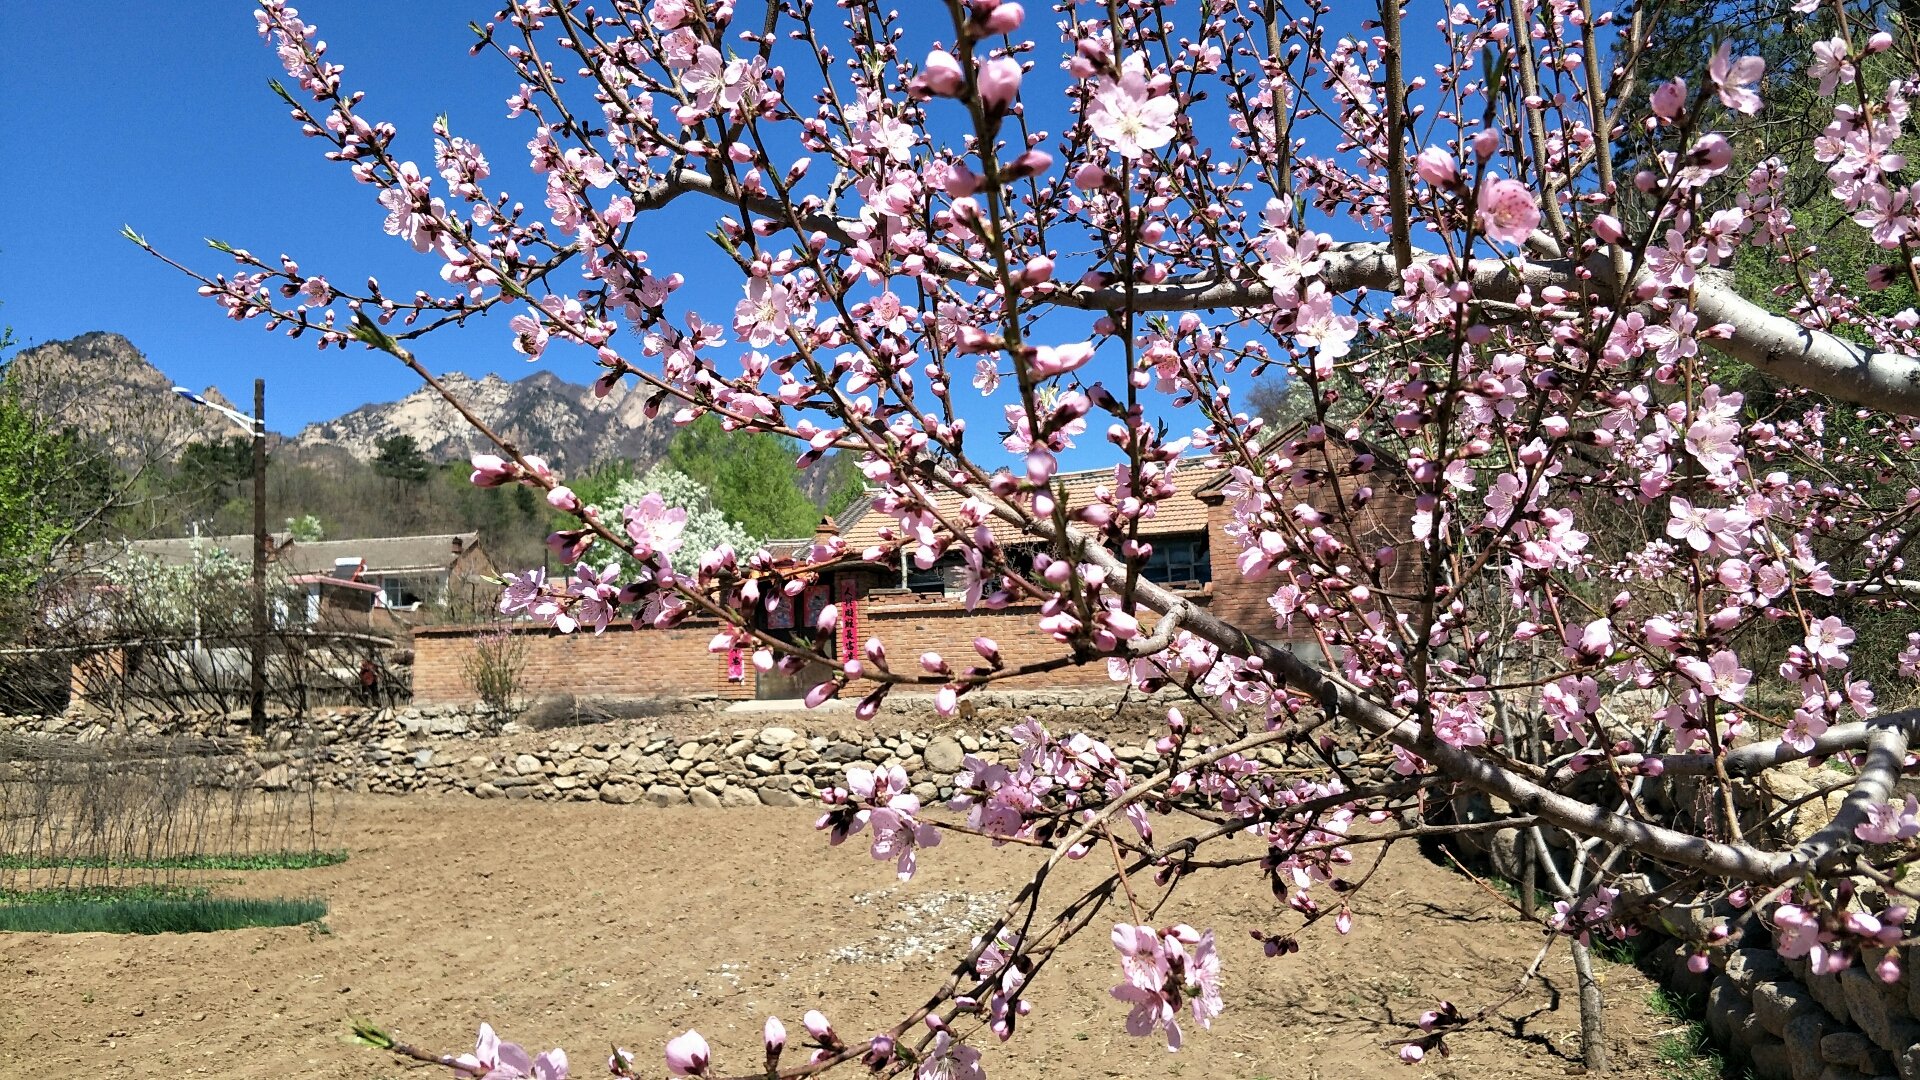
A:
926,793
736,797
777,736
1779,1003
1803,1036
486,791
423,757
1855,1051
620,794
842,752
1726,1009
1827,991
1748,967
663,795
761,765
274,779
549,711
776,797
1769,1059
526,765
566,783
1875,1012
1908,1063
944,756
704,799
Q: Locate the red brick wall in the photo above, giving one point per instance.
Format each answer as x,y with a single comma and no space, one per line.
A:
1384,521
624,662
911,624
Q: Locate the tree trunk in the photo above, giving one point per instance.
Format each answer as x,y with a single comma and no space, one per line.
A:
1593,1032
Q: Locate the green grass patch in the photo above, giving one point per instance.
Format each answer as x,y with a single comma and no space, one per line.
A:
101,894
266,860
174,915
1687,1055
1629,951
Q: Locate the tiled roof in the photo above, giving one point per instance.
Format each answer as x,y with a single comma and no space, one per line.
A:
1181,512
1339,452
383,555
180,551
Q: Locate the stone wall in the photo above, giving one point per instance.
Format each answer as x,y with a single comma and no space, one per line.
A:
623,764
1779,1019
321,727
1771,1016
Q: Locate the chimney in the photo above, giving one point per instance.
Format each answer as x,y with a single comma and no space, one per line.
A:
826,529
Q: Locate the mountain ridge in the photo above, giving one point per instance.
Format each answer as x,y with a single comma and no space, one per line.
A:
101,384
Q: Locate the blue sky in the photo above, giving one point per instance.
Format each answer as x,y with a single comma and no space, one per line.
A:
185,141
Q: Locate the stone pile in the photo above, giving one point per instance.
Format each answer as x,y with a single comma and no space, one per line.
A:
772,766
1783,1021
320,727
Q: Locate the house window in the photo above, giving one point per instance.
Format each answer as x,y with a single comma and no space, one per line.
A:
398,592
936,579
1179,560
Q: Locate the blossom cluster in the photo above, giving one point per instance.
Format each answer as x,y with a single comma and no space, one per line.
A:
1529,517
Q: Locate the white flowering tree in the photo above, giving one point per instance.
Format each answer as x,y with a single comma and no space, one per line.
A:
707,529
1634,539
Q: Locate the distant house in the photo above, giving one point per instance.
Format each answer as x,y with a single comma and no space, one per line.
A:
881,593
400,573
410,571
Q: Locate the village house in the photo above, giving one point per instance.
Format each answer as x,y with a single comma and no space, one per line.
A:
395,574
913,610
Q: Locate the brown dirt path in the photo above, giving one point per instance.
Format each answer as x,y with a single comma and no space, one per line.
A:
576,924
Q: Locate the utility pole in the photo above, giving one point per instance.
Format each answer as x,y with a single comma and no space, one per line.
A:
256,427
258,718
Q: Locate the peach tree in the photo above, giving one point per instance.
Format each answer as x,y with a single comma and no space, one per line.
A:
1646,508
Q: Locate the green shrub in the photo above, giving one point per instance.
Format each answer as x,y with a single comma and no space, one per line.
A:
195,915
265,860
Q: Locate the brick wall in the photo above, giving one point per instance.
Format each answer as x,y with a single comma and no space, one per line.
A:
623,662
910,624
1383,521
628,663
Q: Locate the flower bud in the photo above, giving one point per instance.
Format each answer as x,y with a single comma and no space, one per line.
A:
1005,19
941,75
688,1055
1436,167
999,83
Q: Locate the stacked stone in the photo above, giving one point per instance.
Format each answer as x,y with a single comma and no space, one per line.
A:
772,766
1785,1022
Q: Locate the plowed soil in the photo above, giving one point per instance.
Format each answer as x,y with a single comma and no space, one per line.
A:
583,925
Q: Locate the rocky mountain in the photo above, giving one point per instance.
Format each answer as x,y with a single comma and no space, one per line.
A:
101,385
542,414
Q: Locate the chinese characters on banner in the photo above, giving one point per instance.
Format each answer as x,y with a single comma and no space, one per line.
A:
847,595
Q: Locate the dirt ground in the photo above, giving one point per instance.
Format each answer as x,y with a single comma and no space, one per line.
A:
581,924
